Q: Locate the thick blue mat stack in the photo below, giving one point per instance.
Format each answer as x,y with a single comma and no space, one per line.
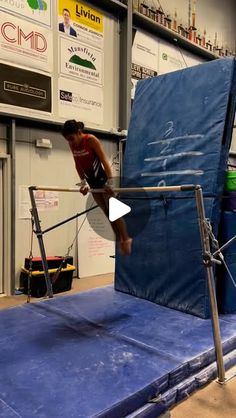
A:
180,133
103,354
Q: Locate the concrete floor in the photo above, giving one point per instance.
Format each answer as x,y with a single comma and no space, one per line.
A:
213,401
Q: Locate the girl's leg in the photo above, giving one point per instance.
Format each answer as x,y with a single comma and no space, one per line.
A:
118,226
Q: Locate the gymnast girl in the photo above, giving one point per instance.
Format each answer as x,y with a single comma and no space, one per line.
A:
95,172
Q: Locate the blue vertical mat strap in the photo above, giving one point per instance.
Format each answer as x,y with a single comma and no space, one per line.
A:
180,133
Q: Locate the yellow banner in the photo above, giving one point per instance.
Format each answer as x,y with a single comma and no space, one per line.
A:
83,14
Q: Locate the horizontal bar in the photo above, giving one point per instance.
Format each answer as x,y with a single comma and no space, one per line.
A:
55,189
186,187
141,189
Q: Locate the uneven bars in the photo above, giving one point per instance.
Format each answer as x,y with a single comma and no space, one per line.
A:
205,248
186,187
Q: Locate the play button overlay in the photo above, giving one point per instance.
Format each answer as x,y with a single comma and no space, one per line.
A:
134,208
117,209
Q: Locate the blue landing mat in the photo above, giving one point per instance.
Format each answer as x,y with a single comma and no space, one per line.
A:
101,353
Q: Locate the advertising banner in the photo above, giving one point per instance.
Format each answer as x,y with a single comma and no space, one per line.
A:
81,21
35,10
26,89
170,58
81,61
140,73
144,50
25,43
80,101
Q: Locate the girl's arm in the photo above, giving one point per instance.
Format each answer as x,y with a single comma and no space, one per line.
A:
96,146
80,172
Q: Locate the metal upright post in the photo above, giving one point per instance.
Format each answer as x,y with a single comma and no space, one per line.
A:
12,151
211,285
125,66
41,243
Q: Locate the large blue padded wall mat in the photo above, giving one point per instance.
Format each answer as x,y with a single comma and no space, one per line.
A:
180,133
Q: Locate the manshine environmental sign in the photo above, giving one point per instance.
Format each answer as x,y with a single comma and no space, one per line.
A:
81,61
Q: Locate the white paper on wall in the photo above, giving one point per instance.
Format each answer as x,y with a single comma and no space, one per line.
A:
94,251
45,201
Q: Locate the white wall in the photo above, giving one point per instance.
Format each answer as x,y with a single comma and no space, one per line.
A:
111,74
233,144
214,15
3,135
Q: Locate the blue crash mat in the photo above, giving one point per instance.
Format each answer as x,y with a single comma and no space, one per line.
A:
181,391
100,353
179,133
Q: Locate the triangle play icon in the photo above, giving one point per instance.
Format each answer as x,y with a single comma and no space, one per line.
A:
117,209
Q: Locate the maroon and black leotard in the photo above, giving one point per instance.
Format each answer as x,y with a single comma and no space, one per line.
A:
87,161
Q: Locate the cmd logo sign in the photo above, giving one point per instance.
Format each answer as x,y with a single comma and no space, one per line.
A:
14,34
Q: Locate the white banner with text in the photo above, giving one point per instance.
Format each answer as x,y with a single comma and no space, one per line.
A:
35,10
25,43
80,100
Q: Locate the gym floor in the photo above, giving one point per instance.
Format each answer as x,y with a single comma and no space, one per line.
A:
213,401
